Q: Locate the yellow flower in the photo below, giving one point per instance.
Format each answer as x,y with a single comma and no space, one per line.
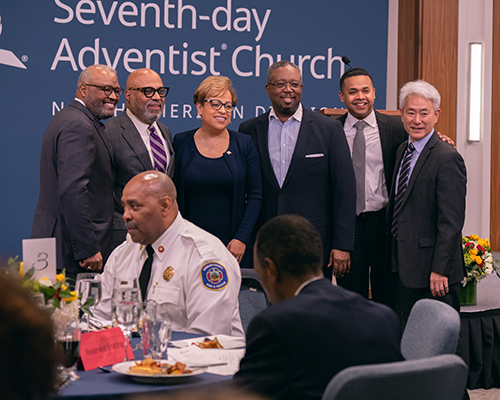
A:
473,253
478,260
474,236
60,277
64,287
481,242
487,242
21,268
74,296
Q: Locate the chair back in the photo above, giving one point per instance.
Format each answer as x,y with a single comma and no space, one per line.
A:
432,329
435,378
252,299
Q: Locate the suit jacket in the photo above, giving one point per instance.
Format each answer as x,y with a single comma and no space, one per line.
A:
432,215
75,204
243,162
320,183
131,158
296,346
392,133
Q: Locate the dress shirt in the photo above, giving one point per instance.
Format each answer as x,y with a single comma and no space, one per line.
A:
190,305
304,284
419,146
376,195
282,138
143,130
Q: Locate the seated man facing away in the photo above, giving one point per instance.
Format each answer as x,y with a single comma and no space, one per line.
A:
192,275
314,329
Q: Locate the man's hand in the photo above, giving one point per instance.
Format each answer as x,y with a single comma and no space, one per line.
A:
237,249
446,139
93,263
341,261
439,284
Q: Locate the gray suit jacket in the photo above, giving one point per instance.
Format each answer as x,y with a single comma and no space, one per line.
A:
131,158
75,204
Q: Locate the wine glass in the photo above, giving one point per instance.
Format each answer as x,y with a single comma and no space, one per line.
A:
68,339
88,285
125,306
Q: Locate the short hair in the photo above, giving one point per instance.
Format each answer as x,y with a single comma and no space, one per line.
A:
293,244
419,88
280,64
354,72
213,86
26,334
88,73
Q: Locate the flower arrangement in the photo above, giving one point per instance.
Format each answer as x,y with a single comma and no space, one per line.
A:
59,298
479,261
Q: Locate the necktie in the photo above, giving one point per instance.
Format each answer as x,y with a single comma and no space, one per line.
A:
159,155
146,272
359,164
404,177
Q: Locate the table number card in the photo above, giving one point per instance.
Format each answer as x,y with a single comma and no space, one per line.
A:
40,254
102,348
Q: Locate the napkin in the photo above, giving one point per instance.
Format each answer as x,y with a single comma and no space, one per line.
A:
227,342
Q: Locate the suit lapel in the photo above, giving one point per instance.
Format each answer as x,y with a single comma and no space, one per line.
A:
385,143
134,140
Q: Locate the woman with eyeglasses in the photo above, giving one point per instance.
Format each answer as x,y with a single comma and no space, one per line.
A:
217,172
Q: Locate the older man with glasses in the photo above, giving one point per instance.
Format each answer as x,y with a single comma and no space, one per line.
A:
76,175
140,143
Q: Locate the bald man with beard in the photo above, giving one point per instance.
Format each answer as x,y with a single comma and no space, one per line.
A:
133,143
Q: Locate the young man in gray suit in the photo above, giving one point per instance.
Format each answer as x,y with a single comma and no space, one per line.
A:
75,204
135,147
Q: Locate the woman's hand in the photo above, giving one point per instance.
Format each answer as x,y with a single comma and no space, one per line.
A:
237,249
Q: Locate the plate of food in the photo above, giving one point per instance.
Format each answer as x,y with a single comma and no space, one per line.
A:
212,342
156,371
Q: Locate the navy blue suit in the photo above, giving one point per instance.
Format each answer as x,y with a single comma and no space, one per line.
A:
320,183
296,346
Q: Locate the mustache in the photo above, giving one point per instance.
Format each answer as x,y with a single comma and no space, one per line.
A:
130,225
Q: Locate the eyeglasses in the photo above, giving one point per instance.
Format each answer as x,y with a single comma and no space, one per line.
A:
108,89
150,91
281,85
217,104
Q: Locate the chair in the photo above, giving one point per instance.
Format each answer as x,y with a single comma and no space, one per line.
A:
432,329
434,378
252,299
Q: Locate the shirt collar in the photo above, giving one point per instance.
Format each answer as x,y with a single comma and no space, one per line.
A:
162,245
80,101
420,144
141,126
304,284
297,115
370,119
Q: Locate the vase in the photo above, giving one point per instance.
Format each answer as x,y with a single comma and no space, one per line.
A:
468,294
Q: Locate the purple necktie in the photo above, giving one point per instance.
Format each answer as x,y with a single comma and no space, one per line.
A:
159,155
404,177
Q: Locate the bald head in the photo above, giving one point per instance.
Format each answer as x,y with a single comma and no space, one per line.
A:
147,109
150,206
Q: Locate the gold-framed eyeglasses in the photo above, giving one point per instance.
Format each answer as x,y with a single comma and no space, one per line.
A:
281,85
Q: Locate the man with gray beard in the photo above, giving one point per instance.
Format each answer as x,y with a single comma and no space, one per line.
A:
140,143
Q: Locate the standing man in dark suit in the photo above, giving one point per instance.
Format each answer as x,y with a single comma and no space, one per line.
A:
135,147
381,136
427,206
76,175
306,166
314,329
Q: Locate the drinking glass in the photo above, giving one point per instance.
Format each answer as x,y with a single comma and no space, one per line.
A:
68,339
156,332
125,306
88,285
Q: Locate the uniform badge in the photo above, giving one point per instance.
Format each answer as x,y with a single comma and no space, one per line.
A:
161,249
168,273
213,276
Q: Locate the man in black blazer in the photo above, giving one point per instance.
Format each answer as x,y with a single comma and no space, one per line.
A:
426,209
75,204
130,137
313,329
383,134
306,166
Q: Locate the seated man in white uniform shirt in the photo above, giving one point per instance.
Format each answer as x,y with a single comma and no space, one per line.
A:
193,275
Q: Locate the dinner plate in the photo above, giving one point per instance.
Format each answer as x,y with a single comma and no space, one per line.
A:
227,342
123,368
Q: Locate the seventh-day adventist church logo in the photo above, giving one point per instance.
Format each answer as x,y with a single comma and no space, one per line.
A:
7,57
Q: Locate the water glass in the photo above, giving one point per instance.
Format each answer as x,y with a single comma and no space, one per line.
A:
88,285
156,333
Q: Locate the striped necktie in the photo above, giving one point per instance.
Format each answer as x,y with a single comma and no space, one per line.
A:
404,177
159,154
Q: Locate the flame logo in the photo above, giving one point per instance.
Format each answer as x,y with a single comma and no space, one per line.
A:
7,57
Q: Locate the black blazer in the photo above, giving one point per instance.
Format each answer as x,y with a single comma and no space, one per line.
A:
75,204
320,183
296,346
432,215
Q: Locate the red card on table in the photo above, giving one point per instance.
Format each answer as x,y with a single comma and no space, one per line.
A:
98,349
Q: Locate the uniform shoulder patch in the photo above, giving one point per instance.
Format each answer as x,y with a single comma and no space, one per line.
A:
213,276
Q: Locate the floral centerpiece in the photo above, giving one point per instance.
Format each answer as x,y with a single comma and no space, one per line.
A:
58,296
479,263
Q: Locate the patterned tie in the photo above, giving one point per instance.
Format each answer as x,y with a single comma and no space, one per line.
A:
146,272
359,164
404,177
159,155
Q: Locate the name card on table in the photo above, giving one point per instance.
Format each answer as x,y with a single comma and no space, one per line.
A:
102,348
41,255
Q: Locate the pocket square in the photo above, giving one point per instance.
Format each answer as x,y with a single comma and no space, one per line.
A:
315,155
